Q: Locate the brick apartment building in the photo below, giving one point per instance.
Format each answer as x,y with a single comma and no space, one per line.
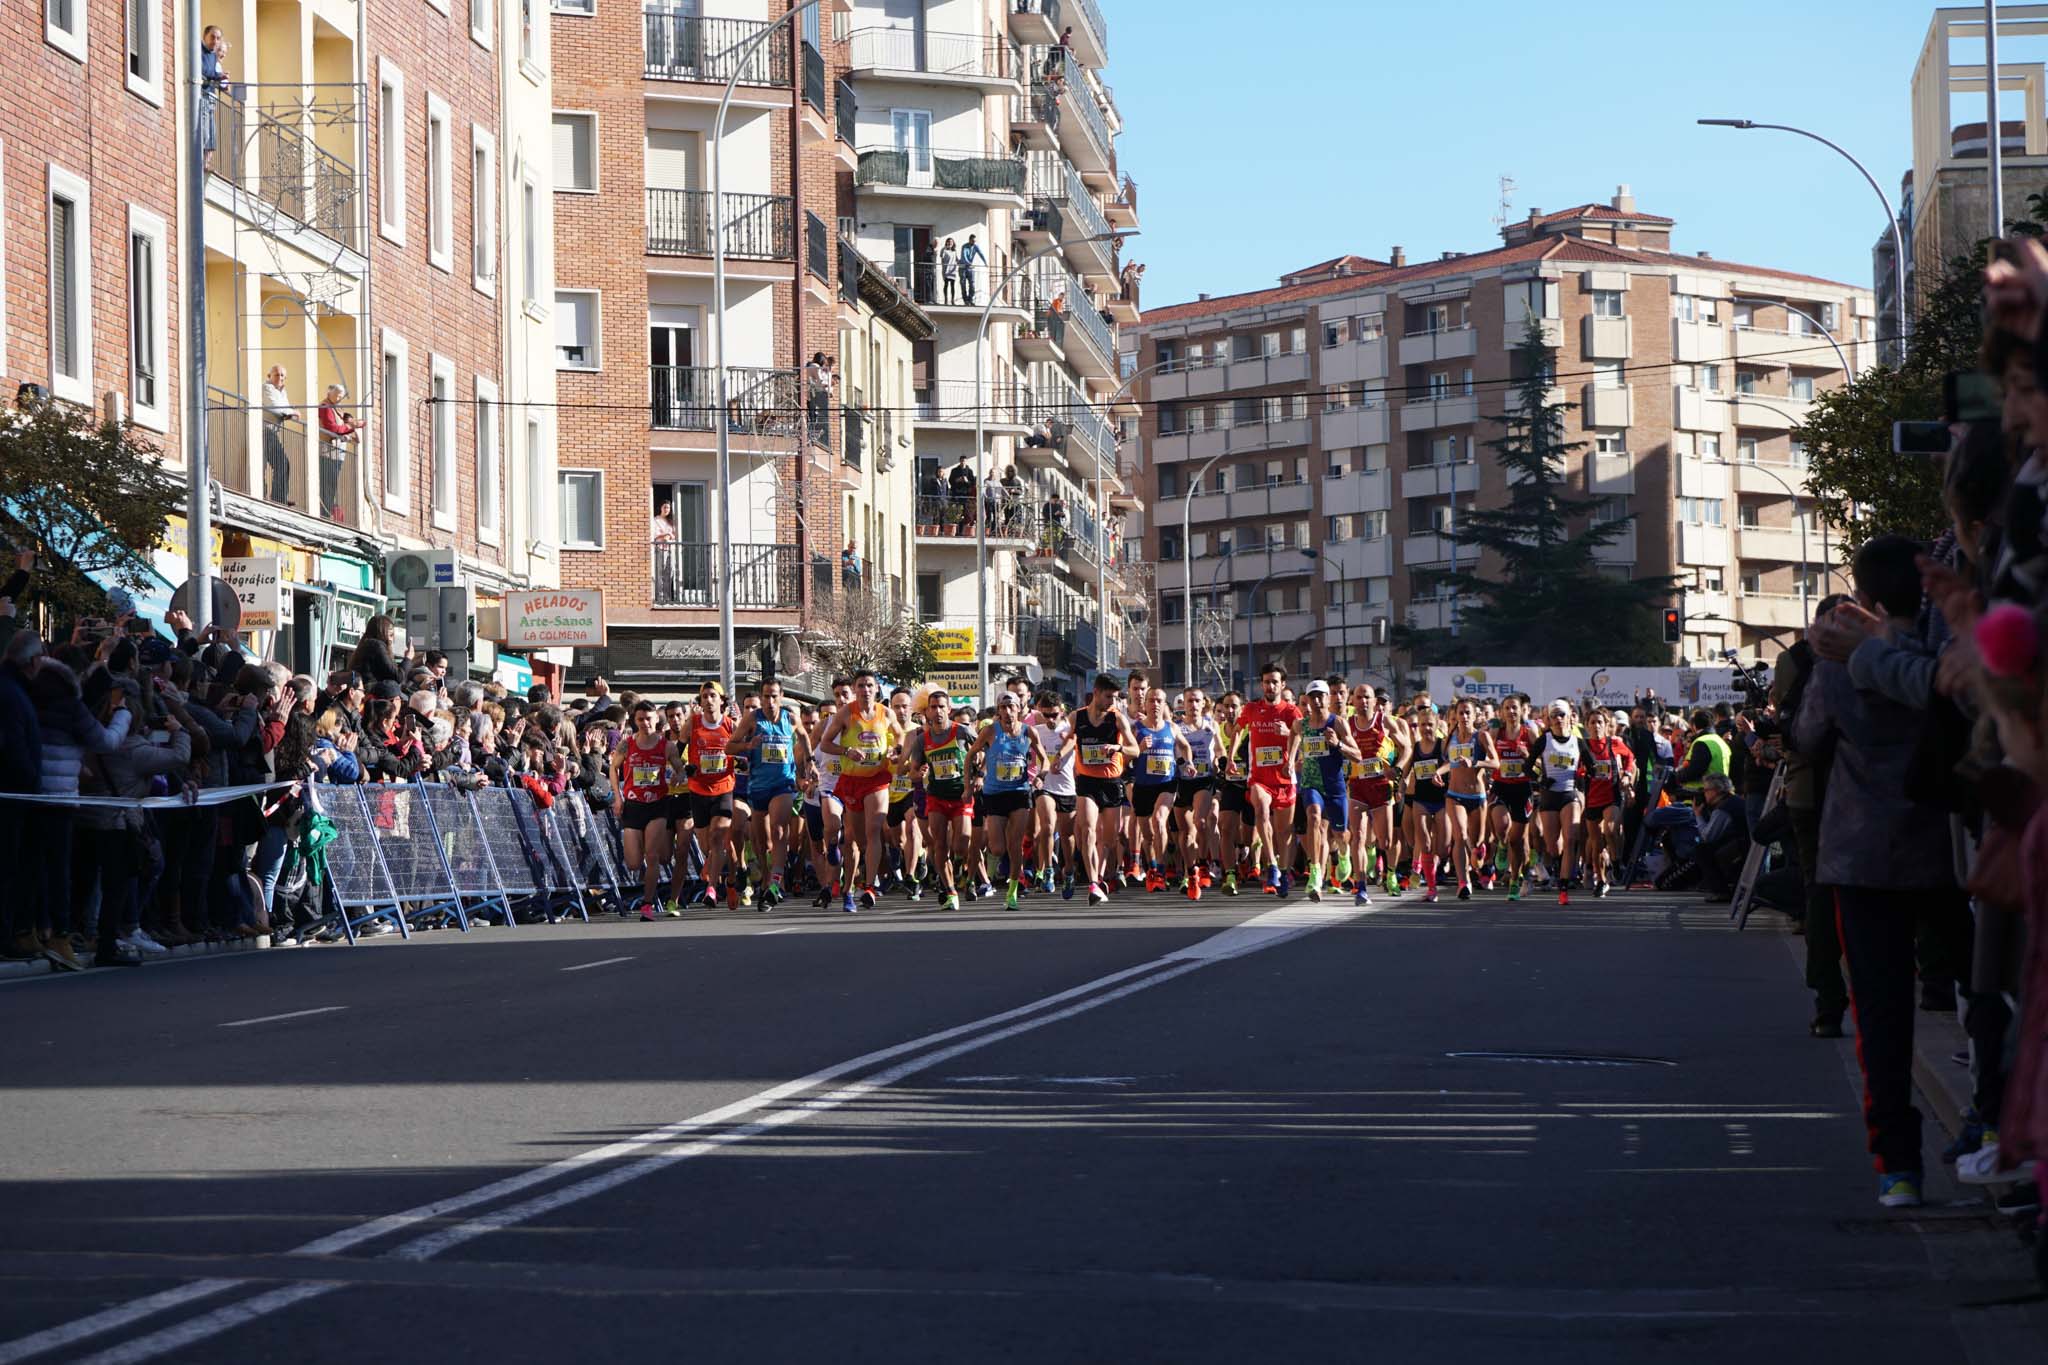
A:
1327,428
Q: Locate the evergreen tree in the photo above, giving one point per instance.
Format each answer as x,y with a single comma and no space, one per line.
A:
1535,592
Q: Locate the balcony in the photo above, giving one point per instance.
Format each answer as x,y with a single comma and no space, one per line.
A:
1765,346
925,173
286,473
1608,475
1430,548
1259,500
1620,550
845,114
270,154
1034,21
1767,411
1266,561
1769,478
818,242
1777,544
1426,414
1435,480
688,47
1692,410
1695,342
1516,320
1085,135
925,57
1607,406
1122,306
1170,447
1604,338
1035,118
759,402
1085,231
1439,612
758,227
1361,490
953,403
764,577
1275,630
946,522
1347,560
1343,428
1250,371
1451,343
1123,209
1700,544
1091,34
1039,226
1771,610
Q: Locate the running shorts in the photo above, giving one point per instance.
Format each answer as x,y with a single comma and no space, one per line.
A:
945,812
1230,799
997,805
854,788
1514,799
705,809
1554,801
1106,792
1145,796
640,814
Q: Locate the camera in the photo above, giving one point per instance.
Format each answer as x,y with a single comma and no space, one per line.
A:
1753,681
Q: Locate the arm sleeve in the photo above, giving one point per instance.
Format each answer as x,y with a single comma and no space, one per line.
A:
95,738
1906,676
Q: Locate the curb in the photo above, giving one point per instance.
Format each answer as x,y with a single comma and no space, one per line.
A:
11,970
1937,1037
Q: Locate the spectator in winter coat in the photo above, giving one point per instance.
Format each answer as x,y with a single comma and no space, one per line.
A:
21,770
117,851
68,731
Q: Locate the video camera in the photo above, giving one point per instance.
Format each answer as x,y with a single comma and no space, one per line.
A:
1753,680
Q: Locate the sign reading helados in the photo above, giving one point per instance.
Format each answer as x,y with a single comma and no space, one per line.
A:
554,617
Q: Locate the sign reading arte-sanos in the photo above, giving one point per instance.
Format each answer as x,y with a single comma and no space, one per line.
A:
560,617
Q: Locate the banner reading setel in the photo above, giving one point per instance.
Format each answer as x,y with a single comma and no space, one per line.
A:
1620,687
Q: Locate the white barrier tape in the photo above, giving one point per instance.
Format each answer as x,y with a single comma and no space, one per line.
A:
205,796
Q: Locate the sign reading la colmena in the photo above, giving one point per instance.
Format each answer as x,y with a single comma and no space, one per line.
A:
564,617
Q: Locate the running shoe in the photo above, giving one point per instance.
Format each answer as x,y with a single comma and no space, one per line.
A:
983,890
1010,901
708,896
1095,896
1599,888
1286,885
673,910
1067,890
1564,896
746,893
846,904
951,902
1429,897
1967,1141
1230,883
915,893
1500,860
648,910
734,900
1361,896
1154,883
1981,1166
1394,887
1515,889
1315,893
1343,869
1464,891
772,897
1194,888
867,899
1899,1189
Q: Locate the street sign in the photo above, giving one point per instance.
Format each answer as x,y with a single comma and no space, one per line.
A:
963,685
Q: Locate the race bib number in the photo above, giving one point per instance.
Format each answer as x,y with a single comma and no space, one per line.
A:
1425,770
1159,765
1267,756
1461,753
832,765
711,763
1314,746
774,753
1559,763
899,785
945,770
1095,755
646,774
1510,769
870,746
1602,768
1009,770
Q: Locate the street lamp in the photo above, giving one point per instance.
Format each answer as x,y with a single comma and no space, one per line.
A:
1847,371
995,292
1898,237
1102,515
740,56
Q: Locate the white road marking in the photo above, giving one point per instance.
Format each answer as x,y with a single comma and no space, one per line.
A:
295,1014
792,929
606,962
1144,976
1043,1080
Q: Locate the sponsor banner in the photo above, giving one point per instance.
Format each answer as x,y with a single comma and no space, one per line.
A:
1615,687
554,617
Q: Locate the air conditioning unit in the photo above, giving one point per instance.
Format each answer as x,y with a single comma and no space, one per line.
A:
439,567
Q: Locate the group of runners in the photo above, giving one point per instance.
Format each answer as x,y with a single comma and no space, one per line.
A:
1339,788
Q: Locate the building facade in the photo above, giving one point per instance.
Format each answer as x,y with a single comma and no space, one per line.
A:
1318,440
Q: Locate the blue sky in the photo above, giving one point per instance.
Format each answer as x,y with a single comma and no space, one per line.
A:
1264,138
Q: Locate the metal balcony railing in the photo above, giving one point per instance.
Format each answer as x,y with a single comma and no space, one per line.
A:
688,47
1086,216
930,169
227,436
692,575
758,401
1011,516
817,247
954,400
1049,8
758,227
844,109
1127,197
814,77
268,153
1037,104
851,263
1044,215
933,54
921,278
1092,16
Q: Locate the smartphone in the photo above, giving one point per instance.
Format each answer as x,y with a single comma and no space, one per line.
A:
1921,438
1970,396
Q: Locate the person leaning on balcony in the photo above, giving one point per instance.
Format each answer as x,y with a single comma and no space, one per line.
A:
817,392
213,78
277,411
1013,499
849,566
662,532
949,271
960,485
337,437
971,256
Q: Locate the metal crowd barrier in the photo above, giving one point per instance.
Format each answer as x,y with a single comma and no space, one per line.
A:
423,855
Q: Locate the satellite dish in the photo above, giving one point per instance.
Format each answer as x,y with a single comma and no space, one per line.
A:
227,607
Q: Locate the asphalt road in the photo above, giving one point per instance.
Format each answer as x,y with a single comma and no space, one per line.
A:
1152,1131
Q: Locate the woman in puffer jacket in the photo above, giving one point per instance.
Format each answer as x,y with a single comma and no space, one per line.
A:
69,732
115,836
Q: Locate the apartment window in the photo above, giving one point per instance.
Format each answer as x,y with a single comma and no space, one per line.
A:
1169,419
488,477
575,152
1370,326
1610,443
582,501
1795,453
69,210
1694,308
536,485
1708,447
390,151
1439,386
1372,525
1275,473
1340,528
1700,511
1336,464
1170,610
148,379
1607,374
1706,378
1708,580
1800,387
576,322
393,435
1336,398
1748,517
1336,333
1448,450
1375,458
441,440
574,6
1752,584
1611,508
1169,481
64,26
1606,303
1746,449
440,189
480,22
529,239
1465,382
1436,318
483,210
1745,316
1539,297
1297,340
526,31
1169,543
145,47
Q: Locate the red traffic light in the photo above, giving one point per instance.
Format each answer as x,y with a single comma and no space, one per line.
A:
1674,625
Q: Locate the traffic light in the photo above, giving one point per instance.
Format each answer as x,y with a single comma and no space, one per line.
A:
1674,626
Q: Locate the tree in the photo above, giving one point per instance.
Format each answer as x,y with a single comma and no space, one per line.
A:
1546,600
1860,486
91,494
869,631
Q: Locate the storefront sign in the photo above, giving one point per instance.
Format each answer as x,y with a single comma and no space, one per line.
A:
554,617
953,645
258,582
963,685
702,652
